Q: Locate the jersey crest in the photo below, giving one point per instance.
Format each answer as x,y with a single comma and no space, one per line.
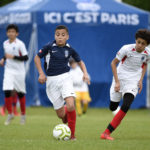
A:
66,53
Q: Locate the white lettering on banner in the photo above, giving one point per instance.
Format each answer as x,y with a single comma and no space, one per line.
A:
52,17
67,17
19,18
92,17
120,19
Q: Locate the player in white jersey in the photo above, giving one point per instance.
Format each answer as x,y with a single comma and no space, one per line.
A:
14,73
127,77
81,88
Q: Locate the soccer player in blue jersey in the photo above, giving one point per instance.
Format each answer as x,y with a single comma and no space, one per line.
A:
59,85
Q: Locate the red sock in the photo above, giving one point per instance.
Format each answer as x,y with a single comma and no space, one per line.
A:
117,119
72,121
8,104
14,103
4,107
22,105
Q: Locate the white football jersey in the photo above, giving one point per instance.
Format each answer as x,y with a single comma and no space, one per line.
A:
78,83
16,48
131,62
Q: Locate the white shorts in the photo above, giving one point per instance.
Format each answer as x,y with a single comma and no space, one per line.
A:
58,88
125,87
14,82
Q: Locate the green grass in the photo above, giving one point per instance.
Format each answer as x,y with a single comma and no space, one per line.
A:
132,134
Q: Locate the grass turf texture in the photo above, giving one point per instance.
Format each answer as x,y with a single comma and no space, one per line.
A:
132,134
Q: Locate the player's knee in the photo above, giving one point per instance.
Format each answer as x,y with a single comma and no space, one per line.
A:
70,107
7,93
127,101
20,95
113,105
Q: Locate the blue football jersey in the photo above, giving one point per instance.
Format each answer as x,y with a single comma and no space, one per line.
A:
57,58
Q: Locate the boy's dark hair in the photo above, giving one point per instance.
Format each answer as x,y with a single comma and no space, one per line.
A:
143,34
62,27
12,26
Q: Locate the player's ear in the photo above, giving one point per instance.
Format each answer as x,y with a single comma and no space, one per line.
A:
68,37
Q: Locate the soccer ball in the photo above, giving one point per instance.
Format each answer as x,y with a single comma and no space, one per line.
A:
61,132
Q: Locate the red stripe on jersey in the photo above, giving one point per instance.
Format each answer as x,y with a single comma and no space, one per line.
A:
143,65
145,52
123,59
133,49
20,53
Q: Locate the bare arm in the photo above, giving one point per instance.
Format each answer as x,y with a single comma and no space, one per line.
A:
84,70
114,63
142,77
42,77
2,61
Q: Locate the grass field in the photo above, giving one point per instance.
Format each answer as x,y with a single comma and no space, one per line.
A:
132,134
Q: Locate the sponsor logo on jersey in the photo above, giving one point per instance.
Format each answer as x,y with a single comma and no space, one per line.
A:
54,51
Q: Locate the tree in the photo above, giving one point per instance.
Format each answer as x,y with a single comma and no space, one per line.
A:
143,4
4,2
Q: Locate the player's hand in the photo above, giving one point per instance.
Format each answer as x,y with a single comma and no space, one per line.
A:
117,86
86,78
2,62
42,78
9,56
140,85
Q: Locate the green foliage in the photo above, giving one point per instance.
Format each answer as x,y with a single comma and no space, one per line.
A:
132,134
143,4
4,2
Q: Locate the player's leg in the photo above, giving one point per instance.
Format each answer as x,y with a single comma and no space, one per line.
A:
114,107
8,86
71,115
127,101
68,95
14,103
8,102
85,100
78,103
20,88
22,101
2,110
115,100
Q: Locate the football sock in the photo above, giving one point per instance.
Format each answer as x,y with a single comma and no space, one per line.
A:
78,106
8,103
115,122
85,106
72,121
14,103
22,105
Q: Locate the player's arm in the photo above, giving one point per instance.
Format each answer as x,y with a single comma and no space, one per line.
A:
142,77
2,61
20,58
84,70
42,77
114,63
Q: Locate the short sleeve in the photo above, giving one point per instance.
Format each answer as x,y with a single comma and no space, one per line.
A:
121,53
43,51
76,56
23,49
